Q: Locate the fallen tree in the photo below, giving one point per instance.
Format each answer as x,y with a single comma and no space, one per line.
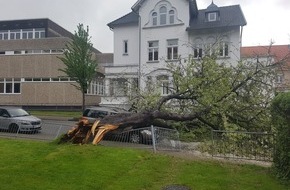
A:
211,94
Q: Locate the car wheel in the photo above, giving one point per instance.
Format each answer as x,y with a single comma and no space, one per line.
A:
13,128
135,137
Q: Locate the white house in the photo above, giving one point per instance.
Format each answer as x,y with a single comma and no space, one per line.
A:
158,31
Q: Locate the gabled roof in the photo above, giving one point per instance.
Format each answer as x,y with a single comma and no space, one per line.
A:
193,8
133,18
228,16
277,51
130,18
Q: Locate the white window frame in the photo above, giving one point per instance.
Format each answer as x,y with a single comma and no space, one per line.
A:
212,16
31,33
10,81
118,87
163,81
198,52
163,15
153,48
125,47
223,50
171,16
154,19
172,49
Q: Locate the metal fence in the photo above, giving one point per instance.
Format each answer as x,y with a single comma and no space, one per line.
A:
243,145
155,138
49,131
225,144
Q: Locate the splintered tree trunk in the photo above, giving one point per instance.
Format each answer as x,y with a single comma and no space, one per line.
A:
85,132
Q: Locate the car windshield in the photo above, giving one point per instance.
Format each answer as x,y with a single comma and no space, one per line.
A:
17,112
94,113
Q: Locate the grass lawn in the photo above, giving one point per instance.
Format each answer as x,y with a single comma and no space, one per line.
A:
72,114
41,165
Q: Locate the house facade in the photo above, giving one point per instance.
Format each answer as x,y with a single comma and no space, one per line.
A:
276,55
156,32
29,74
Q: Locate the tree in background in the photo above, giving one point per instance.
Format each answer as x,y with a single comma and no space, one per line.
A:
79,61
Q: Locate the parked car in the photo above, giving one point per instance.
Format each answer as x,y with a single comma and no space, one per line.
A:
99,112
131,134
16,119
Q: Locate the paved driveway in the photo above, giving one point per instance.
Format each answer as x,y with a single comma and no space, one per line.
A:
51,129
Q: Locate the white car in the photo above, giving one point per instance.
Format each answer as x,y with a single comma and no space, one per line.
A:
16,119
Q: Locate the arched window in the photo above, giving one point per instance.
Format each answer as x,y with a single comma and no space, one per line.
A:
154,18
163,15
171,16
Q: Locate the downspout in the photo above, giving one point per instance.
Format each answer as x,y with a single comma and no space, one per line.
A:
241,37
139,51
241,40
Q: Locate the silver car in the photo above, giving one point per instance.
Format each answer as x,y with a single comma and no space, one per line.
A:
16,119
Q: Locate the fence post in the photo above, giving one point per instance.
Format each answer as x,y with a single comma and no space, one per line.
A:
153,138
17,132
57,134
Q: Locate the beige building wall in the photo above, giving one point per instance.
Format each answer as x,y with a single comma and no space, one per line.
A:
39,66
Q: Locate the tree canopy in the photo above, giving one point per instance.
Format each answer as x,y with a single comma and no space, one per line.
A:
212,94
203,93
80,64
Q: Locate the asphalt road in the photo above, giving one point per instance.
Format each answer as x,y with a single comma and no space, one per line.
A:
51,129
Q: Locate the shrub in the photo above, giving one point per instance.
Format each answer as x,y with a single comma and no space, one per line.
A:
280,110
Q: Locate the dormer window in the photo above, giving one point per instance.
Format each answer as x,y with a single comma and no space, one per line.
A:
212,16
212,13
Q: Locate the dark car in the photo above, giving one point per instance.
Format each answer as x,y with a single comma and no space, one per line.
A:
16,119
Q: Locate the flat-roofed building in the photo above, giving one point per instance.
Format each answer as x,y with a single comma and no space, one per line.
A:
29,66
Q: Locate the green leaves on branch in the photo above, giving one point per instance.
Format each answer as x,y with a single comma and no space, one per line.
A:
223,93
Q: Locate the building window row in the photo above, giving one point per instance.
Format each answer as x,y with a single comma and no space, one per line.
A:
122,87
97,87
162,82
172,50
13,85
163,16
22,52
60,79
10,86
34,33
220,50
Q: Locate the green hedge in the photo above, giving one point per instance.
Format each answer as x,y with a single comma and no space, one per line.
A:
281,119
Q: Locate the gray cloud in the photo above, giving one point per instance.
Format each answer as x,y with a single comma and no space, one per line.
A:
98,13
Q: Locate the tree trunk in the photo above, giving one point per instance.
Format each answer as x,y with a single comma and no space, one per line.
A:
83,101
86,132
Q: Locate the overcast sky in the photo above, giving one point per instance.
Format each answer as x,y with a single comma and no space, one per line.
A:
266,19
